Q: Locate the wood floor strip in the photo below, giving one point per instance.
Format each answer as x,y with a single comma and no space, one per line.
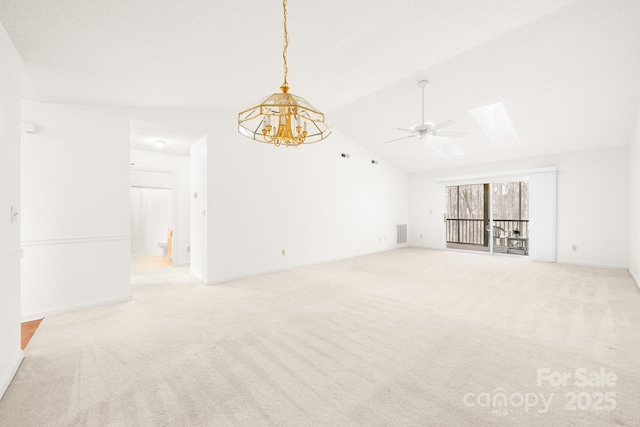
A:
28,329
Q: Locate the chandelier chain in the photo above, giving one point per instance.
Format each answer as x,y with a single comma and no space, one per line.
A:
286,42
284,118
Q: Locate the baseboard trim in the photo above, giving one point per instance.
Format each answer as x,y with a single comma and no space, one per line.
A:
198,279
75,240
586,264
63,310
290,267
8,376
293,267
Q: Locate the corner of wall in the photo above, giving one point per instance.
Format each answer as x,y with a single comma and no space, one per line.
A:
11,372
10,253
634,202
634,276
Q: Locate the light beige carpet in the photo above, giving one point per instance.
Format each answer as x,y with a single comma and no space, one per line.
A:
410,337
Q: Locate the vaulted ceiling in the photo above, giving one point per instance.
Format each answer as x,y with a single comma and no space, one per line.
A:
567,72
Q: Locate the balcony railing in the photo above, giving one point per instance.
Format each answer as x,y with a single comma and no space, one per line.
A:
472,231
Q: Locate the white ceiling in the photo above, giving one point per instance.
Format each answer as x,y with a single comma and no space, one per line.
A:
566,71
178,140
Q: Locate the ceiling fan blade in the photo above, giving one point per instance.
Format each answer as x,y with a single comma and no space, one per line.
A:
442,125
398,139
451,133
408,130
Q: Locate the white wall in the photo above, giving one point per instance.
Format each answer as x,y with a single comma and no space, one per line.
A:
543,210
179,167
75,193
151,179
198,204
634,203
593,207
308,200
10,353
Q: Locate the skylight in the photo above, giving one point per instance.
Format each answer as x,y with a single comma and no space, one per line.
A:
443,146
494,122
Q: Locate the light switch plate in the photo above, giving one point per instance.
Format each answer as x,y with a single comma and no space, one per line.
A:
14,214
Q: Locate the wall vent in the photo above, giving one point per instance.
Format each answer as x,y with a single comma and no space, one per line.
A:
402,233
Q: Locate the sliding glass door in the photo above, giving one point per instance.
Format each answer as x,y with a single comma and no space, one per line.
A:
488,217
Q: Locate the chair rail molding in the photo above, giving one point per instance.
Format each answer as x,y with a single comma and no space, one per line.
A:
75,240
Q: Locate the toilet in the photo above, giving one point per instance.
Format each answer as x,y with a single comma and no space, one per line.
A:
163,246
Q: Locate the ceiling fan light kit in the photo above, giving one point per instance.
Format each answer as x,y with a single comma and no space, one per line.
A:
428,129
284,118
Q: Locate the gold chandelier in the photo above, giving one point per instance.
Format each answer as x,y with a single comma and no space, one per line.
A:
284,118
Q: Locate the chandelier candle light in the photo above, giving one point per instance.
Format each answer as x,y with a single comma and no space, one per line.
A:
284,118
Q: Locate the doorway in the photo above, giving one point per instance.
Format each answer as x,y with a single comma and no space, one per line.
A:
151,227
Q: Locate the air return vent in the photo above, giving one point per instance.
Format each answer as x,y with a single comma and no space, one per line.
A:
402,233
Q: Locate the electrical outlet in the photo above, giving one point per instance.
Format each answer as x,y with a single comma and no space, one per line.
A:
574,247
188,248
421,236
283,252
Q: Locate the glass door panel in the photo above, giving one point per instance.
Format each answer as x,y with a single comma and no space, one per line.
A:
510,217
467,218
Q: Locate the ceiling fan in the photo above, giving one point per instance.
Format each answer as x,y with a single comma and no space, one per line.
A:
429,129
